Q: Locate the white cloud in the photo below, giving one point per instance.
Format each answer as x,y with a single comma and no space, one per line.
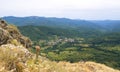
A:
41,4
58,8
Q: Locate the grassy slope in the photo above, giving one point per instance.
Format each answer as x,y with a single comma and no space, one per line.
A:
13,58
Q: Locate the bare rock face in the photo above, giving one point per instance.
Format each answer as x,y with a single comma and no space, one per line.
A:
11,34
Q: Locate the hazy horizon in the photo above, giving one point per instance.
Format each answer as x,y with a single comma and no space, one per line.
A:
73,9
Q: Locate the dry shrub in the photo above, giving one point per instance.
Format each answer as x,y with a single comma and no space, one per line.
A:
18,59
11,55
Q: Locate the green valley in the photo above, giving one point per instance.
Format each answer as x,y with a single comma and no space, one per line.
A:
64,39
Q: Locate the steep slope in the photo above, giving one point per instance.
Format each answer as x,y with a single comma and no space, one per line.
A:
10,34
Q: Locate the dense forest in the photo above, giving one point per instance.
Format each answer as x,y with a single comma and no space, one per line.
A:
70,45
64,39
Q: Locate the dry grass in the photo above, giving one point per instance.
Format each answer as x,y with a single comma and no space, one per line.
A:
19,59
11,54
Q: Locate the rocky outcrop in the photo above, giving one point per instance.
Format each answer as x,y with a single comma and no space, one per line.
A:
10,34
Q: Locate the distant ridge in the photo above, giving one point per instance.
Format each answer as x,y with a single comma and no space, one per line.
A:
48,21
103,25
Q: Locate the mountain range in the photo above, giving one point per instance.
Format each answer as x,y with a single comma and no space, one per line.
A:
103,25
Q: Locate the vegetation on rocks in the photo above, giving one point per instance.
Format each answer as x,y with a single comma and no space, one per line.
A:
10,34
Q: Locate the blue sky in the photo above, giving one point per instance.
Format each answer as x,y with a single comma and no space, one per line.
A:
75,9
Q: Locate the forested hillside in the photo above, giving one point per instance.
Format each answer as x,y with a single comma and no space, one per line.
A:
64,39
16,55
51,22
45,32
72,45
103,25
109,25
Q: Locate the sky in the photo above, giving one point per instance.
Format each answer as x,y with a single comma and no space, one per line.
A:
74,9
